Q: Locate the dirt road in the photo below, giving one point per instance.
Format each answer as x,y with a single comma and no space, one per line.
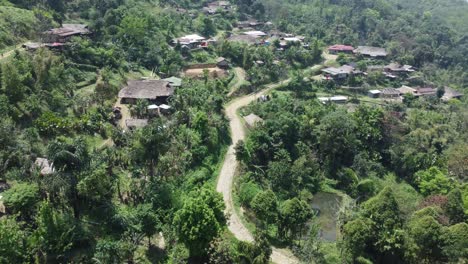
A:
240,78
11,52
228,172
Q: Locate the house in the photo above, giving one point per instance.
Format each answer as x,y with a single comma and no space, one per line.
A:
174,81
191,41
252,120
451,94
338,48
340,72
135,123
213,7
426,91
255,33
374,93
156,91
248,39
251,23
390,93
222,63
286,41
407,90
339,99
65,32
44,166
210,10
373,52
397,68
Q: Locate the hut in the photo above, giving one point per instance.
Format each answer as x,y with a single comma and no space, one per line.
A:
252,120
155,91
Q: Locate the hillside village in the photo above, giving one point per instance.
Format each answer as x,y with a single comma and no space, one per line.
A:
215,132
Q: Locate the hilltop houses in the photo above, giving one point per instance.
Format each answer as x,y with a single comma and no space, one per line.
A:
247,39
213,7
251,23
155,91
193,41
340,72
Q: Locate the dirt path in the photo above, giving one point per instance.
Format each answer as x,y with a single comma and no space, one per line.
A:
9,53
240,78
228,172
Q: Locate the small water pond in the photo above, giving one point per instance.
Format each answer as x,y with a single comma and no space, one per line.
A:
327,206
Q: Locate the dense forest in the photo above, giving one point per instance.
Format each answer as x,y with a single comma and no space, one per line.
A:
94,170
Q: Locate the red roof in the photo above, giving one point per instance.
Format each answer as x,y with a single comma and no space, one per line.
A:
340,47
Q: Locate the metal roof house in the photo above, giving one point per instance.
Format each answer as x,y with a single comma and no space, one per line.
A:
374,52
157,91
65,32
338,48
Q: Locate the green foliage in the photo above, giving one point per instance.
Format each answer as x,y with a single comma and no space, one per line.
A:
22,198
456,242
12,242
16,24
199,220
293,215
455,208
265,206
426,233
56,232
337,140
247,192
433,181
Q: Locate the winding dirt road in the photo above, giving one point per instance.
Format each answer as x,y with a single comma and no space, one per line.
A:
240,78
228,172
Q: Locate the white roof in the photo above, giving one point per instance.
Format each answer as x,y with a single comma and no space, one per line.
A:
374,91
194,37
153,107
164,106
293,39
333,98
339,98
255,33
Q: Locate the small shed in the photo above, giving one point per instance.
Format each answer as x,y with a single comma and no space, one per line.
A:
222,63
174,81
252,120
374,93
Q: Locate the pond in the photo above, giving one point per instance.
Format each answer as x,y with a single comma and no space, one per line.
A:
327,205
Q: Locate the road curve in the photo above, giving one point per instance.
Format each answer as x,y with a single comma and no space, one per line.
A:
228,172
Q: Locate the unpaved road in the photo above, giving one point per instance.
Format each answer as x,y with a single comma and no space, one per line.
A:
240,78
11,52
228,172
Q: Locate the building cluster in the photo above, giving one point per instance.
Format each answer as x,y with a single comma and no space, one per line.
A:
56,38
213,8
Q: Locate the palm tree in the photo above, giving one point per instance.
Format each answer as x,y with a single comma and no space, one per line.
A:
69,159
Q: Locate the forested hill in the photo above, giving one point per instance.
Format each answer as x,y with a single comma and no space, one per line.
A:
416,31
